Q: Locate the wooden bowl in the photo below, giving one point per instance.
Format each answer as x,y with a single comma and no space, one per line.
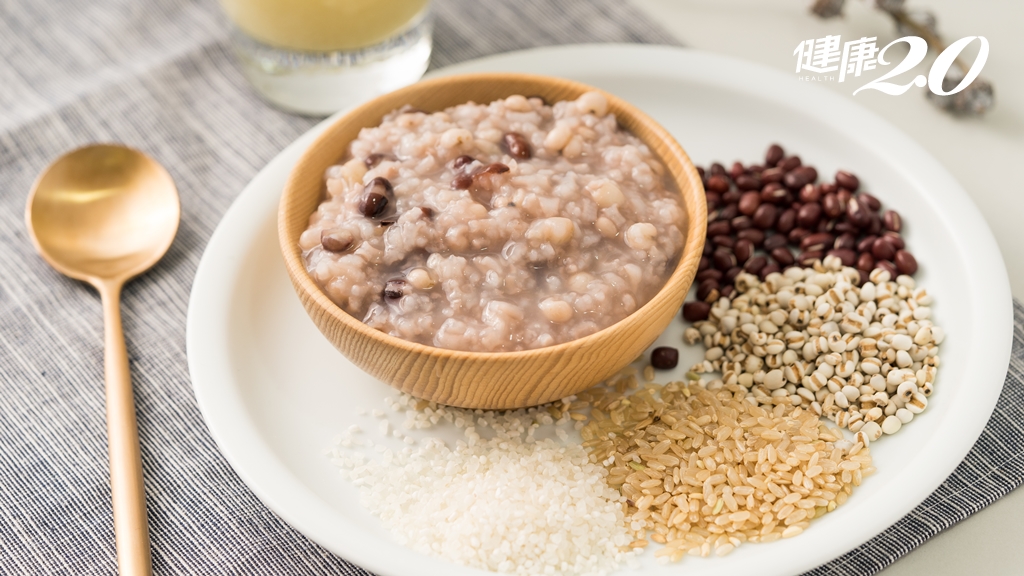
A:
490,380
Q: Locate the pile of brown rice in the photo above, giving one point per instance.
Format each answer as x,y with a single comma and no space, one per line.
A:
704,471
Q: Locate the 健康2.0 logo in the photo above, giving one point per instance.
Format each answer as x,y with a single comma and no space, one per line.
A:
840,61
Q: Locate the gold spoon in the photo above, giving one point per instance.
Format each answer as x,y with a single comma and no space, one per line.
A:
104,214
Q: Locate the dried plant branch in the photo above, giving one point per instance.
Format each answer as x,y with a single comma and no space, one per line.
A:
976,99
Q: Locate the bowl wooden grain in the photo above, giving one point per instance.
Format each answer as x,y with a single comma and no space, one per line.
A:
489,380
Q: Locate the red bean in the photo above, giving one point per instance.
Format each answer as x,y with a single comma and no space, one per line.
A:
708,291
665,357
458,162
843,195
696,311
462,182
769,269
892,221
709,274
517,145
817,242
741,222
774,155
724,259
755,264
717,169
765,215
797,235
883,249
799,177
873,203
905,262
830,205
810,193
774,193
865,244
743,250
847,180
714,200
717,183
336,240
875,227
394,289
375,197
783,256
728,213
857,212
895,239
737,170
845,241
809,215
789,163
731,274
772,175
494,168
731,196
749,202
727,290
774,241
719,227
843,227
865,262
786,221
704,264
724,240
847,256
807,258
753,234
748,182
889,266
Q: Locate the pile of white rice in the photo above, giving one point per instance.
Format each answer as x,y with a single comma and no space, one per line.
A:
503,501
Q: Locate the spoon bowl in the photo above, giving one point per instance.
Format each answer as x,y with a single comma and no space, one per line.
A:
103,214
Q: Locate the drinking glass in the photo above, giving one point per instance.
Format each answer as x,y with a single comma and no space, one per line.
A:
319,56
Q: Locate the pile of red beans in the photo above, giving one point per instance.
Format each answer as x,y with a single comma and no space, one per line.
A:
766,218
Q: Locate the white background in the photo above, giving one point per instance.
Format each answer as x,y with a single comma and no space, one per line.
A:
986,155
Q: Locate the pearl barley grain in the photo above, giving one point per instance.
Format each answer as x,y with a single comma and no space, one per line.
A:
556,310
891,425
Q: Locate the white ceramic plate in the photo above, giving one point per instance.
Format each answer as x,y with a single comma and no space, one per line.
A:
274,392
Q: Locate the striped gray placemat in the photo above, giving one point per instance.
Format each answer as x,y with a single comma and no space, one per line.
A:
159,76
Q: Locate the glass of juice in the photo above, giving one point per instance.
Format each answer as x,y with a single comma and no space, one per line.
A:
319,56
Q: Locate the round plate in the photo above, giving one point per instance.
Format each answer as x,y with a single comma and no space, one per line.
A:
274,392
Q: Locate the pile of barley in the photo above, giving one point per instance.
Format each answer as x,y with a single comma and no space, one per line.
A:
863,356
705,471
501,499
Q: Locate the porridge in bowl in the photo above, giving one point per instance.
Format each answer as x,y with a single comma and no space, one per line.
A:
496,227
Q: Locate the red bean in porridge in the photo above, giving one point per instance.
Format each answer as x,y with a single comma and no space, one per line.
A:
499,227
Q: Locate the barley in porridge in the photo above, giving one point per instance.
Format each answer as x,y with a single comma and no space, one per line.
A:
499,227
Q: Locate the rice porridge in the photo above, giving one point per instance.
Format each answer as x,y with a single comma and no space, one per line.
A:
499,227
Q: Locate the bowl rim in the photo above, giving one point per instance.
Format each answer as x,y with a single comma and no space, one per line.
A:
682,276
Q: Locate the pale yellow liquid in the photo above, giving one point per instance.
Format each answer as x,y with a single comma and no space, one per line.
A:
322,25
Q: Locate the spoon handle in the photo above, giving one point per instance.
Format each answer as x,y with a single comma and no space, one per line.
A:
129,500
